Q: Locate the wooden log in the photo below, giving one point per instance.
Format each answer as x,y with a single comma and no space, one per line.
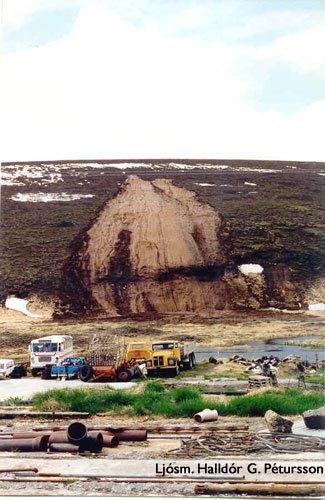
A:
285,489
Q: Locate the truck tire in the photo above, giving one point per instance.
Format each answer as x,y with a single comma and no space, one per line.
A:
125,375
34,372
193,359
86,372
174,371
46,372
16,372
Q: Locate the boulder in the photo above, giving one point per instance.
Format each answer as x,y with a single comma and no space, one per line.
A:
315,419
276,424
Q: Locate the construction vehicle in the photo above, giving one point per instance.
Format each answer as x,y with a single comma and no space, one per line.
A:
106,360
170,356
67,369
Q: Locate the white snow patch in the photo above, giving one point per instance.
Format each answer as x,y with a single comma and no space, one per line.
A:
200,165
321,174
203,184
317,307
250,184
261,170
47,197
125,165
20,305
41,174
290,166
251,269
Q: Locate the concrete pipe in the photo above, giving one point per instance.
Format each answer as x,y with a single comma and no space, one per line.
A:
129,434
206,415
77,432
31,444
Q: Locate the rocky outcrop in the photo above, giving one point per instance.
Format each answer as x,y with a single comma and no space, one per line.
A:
277,424
152,248
315,419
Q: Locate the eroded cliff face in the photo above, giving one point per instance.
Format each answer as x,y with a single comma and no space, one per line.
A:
153,248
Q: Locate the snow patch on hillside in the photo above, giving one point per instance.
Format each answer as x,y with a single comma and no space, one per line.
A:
48,197
20,305
251,269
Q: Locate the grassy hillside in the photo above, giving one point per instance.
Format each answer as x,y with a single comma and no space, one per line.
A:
275,211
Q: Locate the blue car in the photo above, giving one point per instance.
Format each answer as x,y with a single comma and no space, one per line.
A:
69,368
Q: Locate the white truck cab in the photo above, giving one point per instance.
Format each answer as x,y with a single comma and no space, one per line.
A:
6,367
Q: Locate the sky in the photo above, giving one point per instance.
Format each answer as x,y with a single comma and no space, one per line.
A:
134,79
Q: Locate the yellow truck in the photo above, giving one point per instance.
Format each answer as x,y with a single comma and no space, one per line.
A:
169,356
137,353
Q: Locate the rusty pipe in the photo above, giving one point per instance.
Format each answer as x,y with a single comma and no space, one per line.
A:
93,442
110,441
59,437
29,434
32,444
70,447
77,432
128,435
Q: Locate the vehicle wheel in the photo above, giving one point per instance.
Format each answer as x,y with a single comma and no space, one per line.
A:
46,372
34,372
86,373
175,371
16,372
190,362
125,375
193,359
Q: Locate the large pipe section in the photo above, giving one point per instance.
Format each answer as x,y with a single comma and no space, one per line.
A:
32,444
206,415
128,435
77,432
69,447
75,438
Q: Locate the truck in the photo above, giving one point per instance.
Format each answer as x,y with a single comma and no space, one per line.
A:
49,350
67,369
170,356
106,360
8,368
137,353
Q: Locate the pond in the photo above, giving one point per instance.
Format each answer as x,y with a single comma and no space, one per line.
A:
275,347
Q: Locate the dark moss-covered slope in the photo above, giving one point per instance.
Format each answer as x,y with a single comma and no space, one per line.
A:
275,211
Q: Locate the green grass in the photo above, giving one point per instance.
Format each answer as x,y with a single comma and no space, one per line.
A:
282,401
316,378
180,402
